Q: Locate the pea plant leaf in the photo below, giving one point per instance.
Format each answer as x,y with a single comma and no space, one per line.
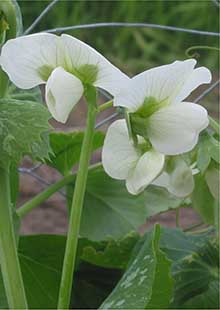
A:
208,148
41,258
33,94
22,124
177,245
142,285
66,149
111,253
203,201
196,279
110,211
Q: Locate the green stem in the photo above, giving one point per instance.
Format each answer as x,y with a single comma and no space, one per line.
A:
48,192
28,206
76,211
178,217
9,261
214,125
105,106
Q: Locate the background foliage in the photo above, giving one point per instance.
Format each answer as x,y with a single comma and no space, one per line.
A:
143,47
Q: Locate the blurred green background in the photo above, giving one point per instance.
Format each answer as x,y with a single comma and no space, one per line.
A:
131,49
135,49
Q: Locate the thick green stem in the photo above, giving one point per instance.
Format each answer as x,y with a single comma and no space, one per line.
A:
9,261
76,211
214,125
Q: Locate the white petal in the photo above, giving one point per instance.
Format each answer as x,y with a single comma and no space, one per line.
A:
179,181
79,53
163,180
23,58
175,129
148,167
63,91
162,83
118,154
198,77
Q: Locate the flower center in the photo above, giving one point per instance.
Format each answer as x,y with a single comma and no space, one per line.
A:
139,119
87,74
144,146
45,72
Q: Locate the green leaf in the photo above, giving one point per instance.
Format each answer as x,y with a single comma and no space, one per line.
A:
112,253
21,127
41,258
158,199
202,200
66,149
142,285
196,279
177,244
207,300
194,268
110,211
92,286
203,158
33,94
208,148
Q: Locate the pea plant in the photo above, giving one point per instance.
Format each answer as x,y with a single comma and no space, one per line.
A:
161,154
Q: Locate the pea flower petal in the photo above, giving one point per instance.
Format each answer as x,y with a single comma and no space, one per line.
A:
23,58
119,156
175,129
122,160
80,54
63,91
147,168
179,181
173,83
31,60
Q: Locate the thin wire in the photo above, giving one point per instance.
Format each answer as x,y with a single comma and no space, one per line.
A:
38,178
105,120
38,19
143,25
207,91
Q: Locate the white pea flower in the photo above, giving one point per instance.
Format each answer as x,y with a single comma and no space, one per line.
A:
64,63
139,165
177,177
154,100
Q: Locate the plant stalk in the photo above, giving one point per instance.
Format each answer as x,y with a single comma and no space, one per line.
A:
76,211
9,261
